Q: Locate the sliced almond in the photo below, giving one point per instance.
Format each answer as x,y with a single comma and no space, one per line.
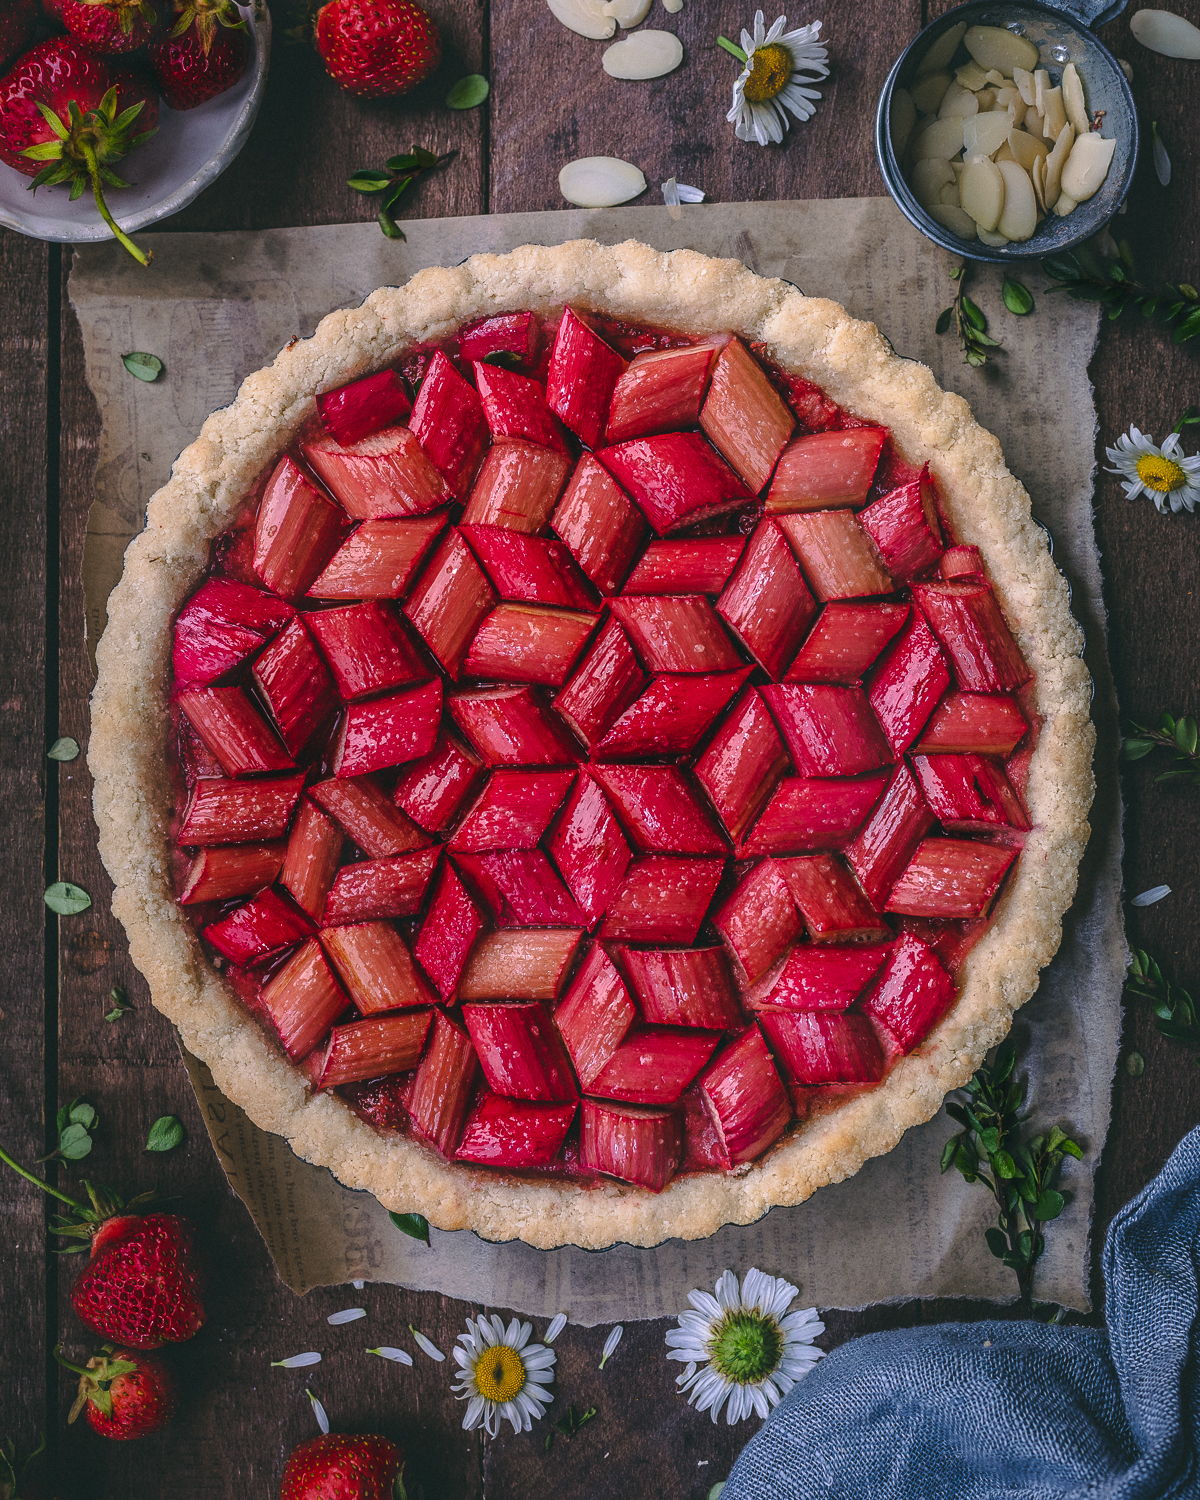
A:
585,17
1026,148
995,76
983,135
929,177
1023,80
1087,166
1019,217
645,54
1037,175
1041,82
942,138
940,53
1005,153
904,117
600,181
953,219
928,92
981,191
986,99
627,13
1010,94
1055,162
1064,205
1074,101
970,76
1166,33
1054,114
949,194
958,103
989,237
997,47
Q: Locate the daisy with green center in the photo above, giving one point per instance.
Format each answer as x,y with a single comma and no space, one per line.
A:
742,1348
1166,474
779,65
502,1375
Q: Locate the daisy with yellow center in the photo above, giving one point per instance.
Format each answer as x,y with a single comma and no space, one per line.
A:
501,1375
778,66
1166,474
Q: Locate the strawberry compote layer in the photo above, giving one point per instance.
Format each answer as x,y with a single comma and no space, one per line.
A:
595,755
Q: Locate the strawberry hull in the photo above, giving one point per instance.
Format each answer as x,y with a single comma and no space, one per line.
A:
362,810
442,1089
375,889
510,727
672,715
236,812
767,604
529,569
806,813
295,685
513,811
583,373
432,791
829,730
826,470
655,1064
903,524
599,525
912,994
520,1052
642,1146
676,479
951,878
829,977
388,731
262,927
886,844
448,421
378,561
973,724
355,411
607,683
220,626
379,477
742,765
838,557
515,407
683,986
296,533
314,851
367,648
513,1134
528,964
758,923
659,808
517,486
830,901
745,1099
744,417
303,1000
449,601
529,643
693,565
846,639
448,933
229,871
373,962
594,1016
906,686
966,618
819,1047
589,849
234,730
373,1048
661,391
676,634
662,900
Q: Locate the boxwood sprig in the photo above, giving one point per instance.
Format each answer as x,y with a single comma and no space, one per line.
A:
1174,1008
1179,735
1082,274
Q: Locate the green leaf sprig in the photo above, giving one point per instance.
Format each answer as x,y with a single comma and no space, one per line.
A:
416,1225
1113,283
120,1004
1174,1008
1019,1174
968,321
74,1123
14,1470
165,1134
569,1423
1178,735
392,182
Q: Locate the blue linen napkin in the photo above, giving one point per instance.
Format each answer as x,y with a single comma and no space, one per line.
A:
1014,1411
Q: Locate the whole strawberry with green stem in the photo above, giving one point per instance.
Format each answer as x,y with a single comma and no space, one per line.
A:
335,1466
375,48
125,1393
110,26
204,53
143,1285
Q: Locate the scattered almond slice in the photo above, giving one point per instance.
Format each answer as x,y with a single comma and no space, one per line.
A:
627,13
600,181
646,54
904,117
982,192
1019,217
958,103
673,6
971,76
939,54
928,92
1005,153
1041,82
1026,148
1064,205
1074,101
986,99
983,135
584,17
1055,162
995,241
949,194
996,47
1166,33
1037,174
1023,81
1054,113
1087,166
942,138
994,75
929,177
953,219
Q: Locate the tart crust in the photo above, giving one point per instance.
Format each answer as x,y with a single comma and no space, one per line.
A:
210,480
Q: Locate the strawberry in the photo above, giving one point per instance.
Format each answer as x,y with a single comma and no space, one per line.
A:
337,1467
126,1394
205,53
66,115
18,18
110,25
377,47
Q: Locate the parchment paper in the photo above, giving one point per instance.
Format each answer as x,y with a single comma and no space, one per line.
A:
217,307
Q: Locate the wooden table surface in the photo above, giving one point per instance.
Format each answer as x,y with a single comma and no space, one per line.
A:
550,102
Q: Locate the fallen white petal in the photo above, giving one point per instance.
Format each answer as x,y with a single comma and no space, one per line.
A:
347,1315
600,181
610,1344
398,1356
318,1411
296,1361
557,1324
1162,162
1148,898
1165,32
585,17
670,192
426,1346
689,194
358,1285
646,54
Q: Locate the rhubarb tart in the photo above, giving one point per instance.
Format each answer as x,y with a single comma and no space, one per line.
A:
591,745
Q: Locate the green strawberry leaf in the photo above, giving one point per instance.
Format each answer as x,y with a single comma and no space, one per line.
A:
66,899
165,1134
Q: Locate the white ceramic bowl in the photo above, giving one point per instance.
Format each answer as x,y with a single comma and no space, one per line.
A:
191,149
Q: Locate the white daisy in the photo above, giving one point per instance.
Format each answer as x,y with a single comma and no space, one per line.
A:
1166,474
502,1375
778,66
739,1347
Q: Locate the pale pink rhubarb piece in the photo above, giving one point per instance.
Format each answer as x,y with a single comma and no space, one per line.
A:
529,964
661,391
824,1047
828,897
375,889
433,791
673,714
962,564
529,643
829,730
969,793
510,726
448,933
966,618
594,1015
517,486
297,531
600,525
388,731
442,1089
642,1146
303,1000
767,604
677,479
449,601
819,977
654,1064
523,888
950,878
608,681
826,470
912,994
662,899
314,852
676,635
758,922
838,557
295,685
354,411
743,764
513,811
364,812
660,809
589,849
683,986
745,417
514,1133
378,561
236,812
507,333
448,421
748,1103
372,1048
906,685
973,724
379,477
814,813
367,648
529,569
265,925
376,967
903,524
234,730
515,407
521,1052
846,639
583,373
220,626
691,565
886,844
231,870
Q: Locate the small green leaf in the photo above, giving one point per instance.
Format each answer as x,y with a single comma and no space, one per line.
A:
1006,1061
416,1225
66,899
1136,749
948,1153
1135,1065
1070,1148
369,181
63,748
1185,735
63,1118
74,1143
468,92
144,366
997,1242
389,225
973,314
717,1490
945,317
82,1114
1004,1164
1017,298
990,1140
120,1002
1049,1206
165,1134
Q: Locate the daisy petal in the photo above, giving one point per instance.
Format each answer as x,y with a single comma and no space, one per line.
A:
347,1315
397,1356
297,1361
557,1324
426,1346
318,1411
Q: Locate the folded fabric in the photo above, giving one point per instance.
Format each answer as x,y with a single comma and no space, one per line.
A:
1014,1410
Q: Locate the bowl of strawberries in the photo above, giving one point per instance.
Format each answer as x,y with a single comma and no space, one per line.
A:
117,113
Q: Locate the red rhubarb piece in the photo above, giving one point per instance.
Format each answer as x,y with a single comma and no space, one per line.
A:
886,844
448,932
660,809
234,730
642,1146
449,601
295,685
442,1089
583,373
517,486
510,726
838,557
829,730
220,626
951,878
355,411
508,333
767,604
758,922
743,764
378,561
523,888
745,417
448,420
677,479
912,994
748,1103
388,731
692,565
829,899
236,812
382,1102
367,648
806,813
374,964
966,618
376,826
263,926
530,569
968,793
589,849
683,986
677,635
513,811
974,724
520,964
372,1048
662,900
433,790
608,681
520,1052
962,563
903,524
906,685
297,531
375,889
819,977
594,1015
654,1064
303,1000
599,524
529,643
314,852
815,411
196,760
827,470
514,1133
672,715
822,1047
381,476
661,391
845,641
515,407
231,870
